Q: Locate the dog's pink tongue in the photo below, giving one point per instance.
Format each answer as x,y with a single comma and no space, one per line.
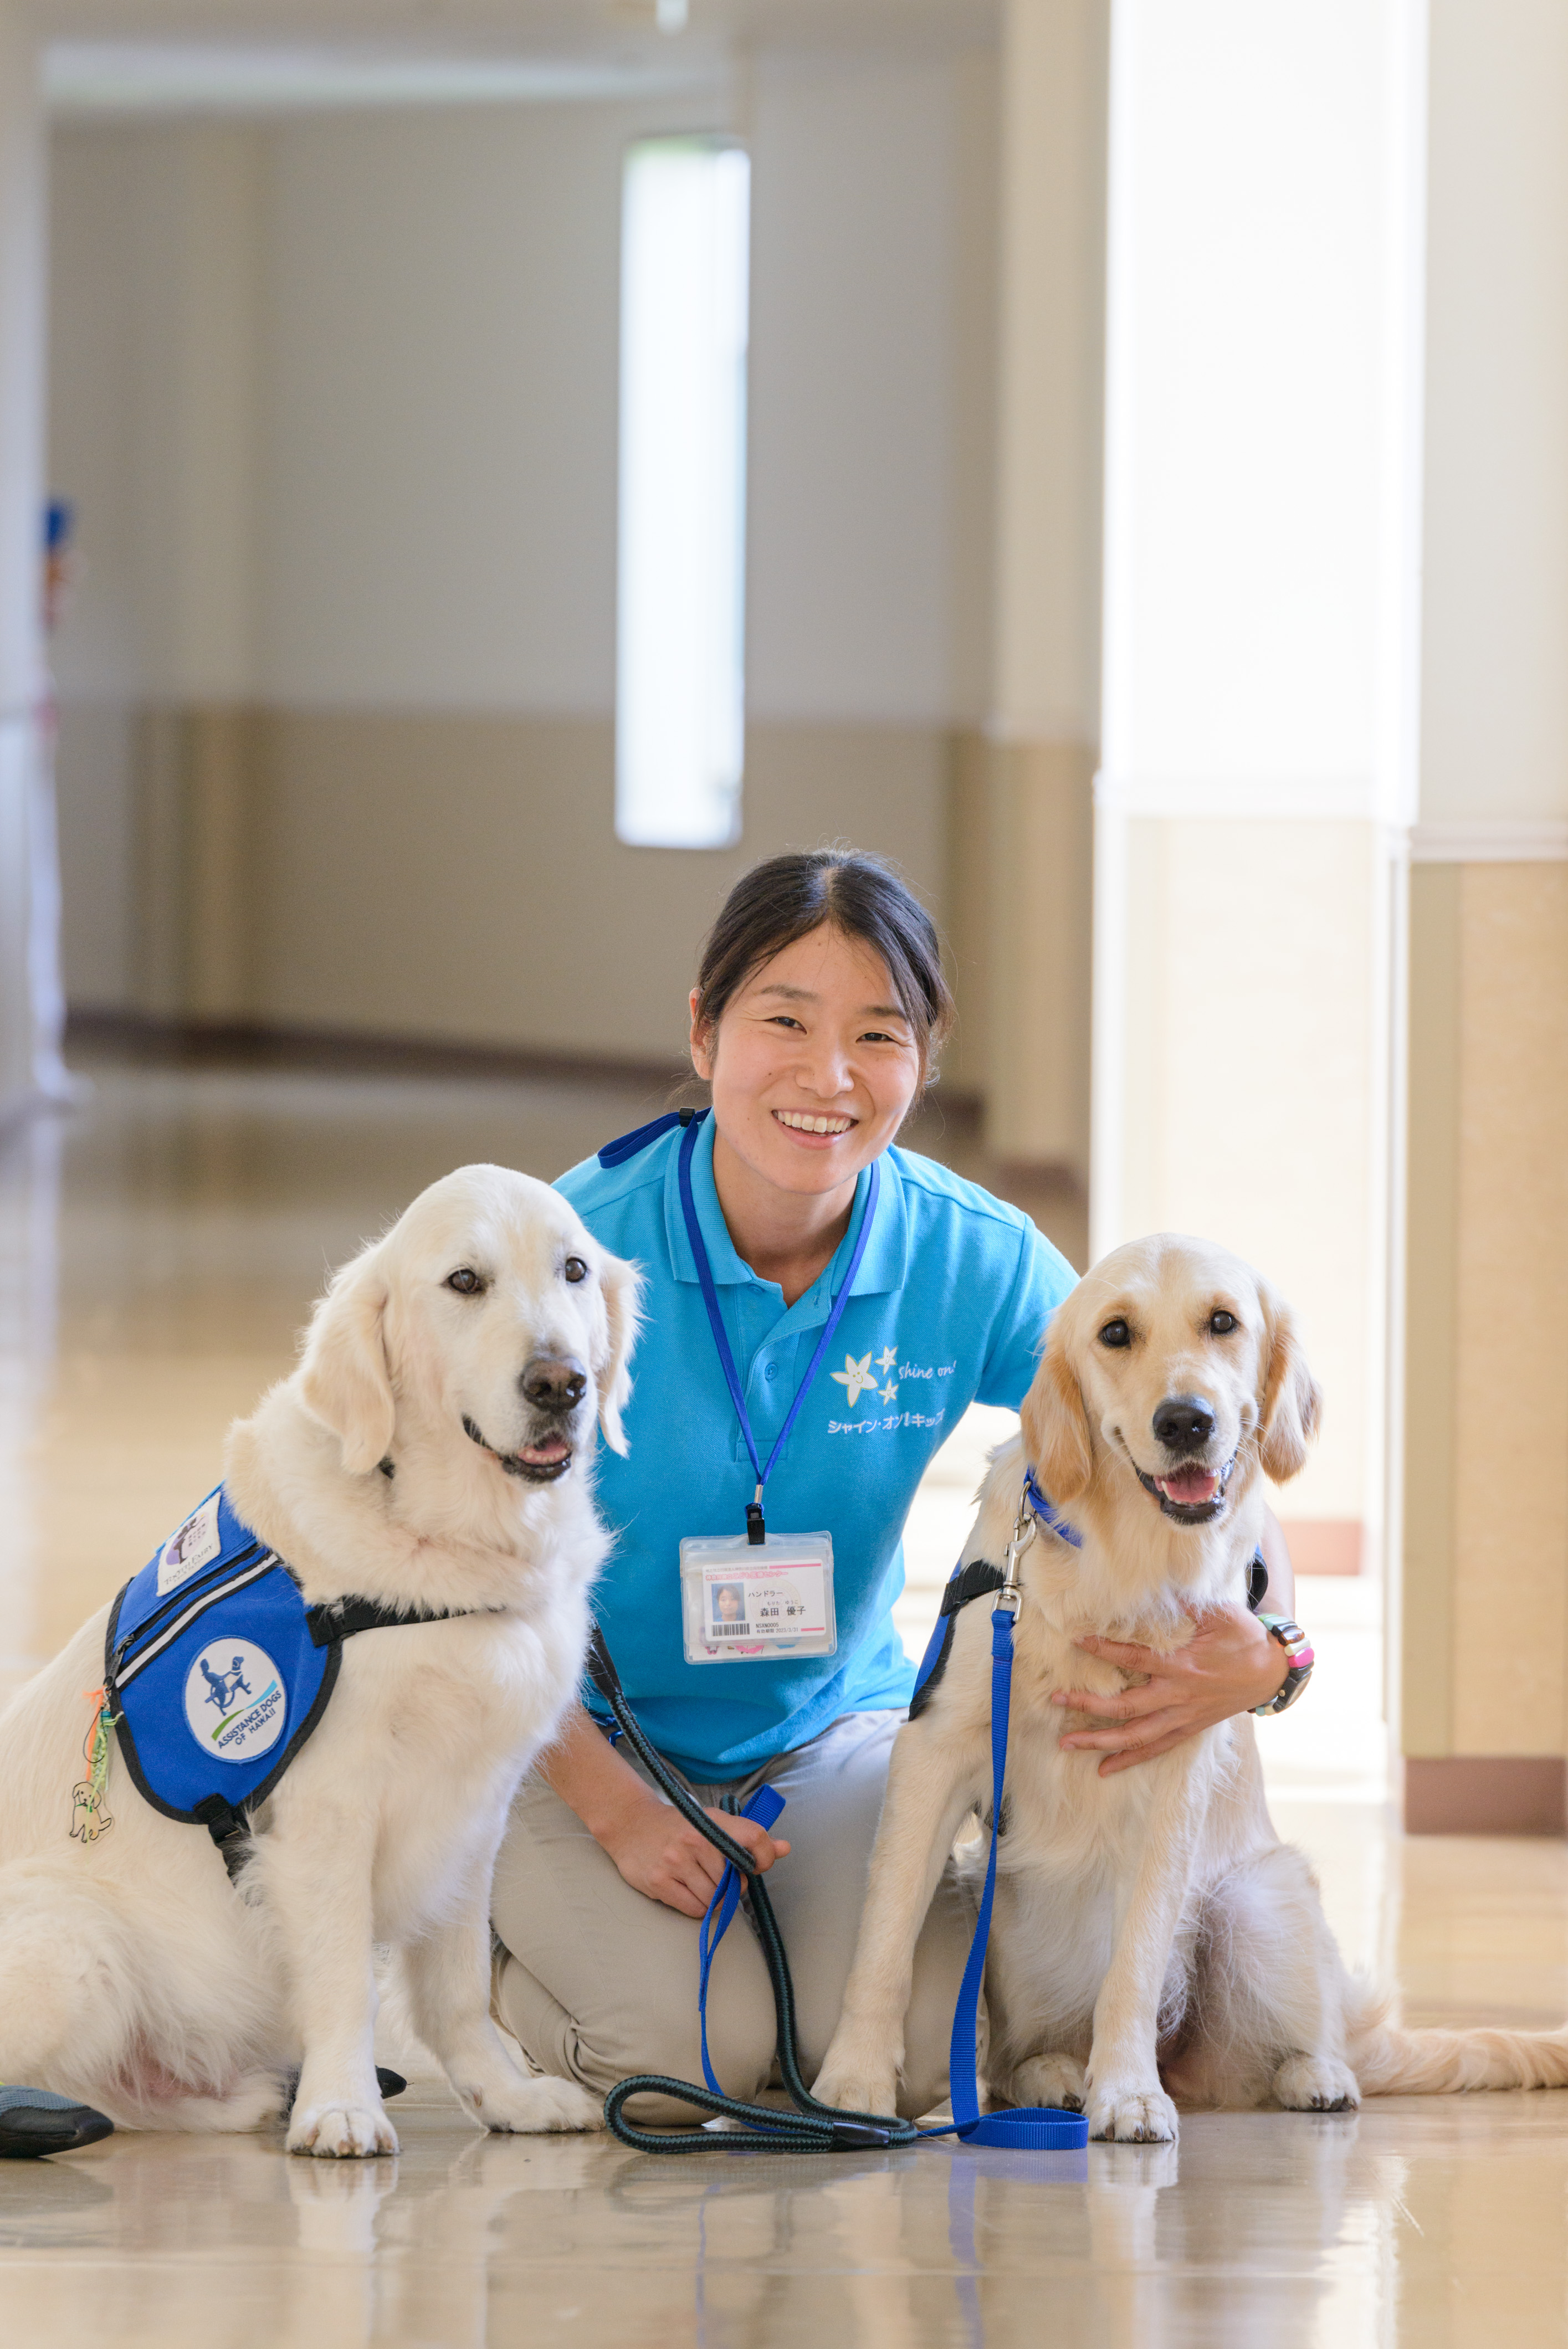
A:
1189,1486
546,1455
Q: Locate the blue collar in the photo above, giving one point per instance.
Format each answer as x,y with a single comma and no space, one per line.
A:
1046,1514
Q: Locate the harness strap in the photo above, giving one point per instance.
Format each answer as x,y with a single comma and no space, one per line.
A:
964,1584
341,1619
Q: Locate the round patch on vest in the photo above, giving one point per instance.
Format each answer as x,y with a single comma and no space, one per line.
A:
235,1702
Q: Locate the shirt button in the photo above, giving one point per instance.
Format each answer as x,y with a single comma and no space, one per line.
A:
771,1371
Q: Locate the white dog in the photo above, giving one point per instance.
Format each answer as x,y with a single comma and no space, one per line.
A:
1149,1922
427,1455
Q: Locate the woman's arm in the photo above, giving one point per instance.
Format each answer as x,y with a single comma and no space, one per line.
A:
1229,1666
654,1848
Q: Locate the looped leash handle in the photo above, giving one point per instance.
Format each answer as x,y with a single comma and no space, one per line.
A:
813,2126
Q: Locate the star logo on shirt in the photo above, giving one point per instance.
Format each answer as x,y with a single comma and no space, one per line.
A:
854,1377
887,1357
890,1392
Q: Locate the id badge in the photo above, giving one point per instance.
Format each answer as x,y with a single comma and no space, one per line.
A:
744,1602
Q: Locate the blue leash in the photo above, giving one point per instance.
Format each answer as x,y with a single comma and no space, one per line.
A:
1032,2127
765,1807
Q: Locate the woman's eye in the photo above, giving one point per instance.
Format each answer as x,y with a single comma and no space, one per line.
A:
1115,1333
465,1280
1221,1323
575,1269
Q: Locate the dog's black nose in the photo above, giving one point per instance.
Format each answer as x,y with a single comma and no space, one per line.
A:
555,1383
1183,1424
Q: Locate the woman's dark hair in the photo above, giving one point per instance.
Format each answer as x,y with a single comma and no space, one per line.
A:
787,897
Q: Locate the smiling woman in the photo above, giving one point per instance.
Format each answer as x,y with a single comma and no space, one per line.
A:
823,1307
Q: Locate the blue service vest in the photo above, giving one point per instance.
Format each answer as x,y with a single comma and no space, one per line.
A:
215,1669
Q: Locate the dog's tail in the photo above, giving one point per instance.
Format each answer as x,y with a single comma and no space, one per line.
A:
1390,2061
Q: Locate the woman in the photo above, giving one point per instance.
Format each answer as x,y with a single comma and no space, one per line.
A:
818,1010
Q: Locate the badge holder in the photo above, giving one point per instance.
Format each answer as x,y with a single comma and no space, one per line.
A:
742,1600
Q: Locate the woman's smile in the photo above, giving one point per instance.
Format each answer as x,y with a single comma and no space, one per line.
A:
813,1127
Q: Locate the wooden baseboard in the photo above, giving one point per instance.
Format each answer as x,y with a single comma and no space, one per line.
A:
1486,1794
1324,1545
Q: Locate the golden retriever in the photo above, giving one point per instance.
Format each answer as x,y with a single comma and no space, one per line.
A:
1151,1935
429,1455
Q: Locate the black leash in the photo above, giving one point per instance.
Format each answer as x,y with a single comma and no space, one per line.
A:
812,2127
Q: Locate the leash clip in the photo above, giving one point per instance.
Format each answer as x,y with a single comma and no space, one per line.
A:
1011,1594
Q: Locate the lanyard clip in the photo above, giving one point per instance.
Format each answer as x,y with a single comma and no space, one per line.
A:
756,1526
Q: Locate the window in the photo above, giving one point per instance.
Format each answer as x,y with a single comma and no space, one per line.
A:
680,622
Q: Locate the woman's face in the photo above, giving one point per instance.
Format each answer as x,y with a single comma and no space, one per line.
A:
814,1066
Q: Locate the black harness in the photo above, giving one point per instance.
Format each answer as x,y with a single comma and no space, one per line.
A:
972,1581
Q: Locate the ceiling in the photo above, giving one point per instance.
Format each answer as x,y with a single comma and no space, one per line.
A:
129,56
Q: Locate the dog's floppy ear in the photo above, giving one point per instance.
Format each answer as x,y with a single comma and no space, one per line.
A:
343,1376
622,1284
1291,1405
1055,1424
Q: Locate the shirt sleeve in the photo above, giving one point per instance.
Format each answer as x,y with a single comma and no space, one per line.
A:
1043,1278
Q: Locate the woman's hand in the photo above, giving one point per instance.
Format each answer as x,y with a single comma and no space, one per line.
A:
1229,1666
658,1853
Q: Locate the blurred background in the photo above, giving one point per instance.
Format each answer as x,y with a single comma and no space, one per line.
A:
515,462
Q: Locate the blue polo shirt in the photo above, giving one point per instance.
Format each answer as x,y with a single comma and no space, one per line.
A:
949,1308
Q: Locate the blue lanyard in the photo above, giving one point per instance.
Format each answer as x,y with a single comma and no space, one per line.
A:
755,1528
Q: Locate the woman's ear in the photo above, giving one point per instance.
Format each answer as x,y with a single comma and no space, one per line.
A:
1290,1404
343,1376
701,1038
622,1284
1055,1424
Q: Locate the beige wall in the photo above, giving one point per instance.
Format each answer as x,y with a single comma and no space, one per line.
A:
1485,1508
1251,1106
1484,1666
457,877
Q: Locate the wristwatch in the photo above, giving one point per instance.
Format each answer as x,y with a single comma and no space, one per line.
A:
1294,1640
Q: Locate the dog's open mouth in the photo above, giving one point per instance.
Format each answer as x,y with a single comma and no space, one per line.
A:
536,1463
1192,1496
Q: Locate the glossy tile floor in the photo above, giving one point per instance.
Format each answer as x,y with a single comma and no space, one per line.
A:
158,1249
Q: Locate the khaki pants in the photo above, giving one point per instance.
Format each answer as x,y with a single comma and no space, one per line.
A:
599,1982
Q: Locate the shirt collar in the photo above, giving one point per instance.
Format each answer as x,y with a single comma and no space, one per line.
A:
883,1267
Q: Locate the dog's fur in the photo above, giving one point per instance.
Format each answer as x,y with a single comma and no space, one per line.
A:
132,1975
1152,1937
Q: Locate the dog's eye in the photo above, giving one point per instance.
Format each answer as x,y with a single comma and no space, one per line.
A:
1221,1323
575,1269
1115,1333
465,1280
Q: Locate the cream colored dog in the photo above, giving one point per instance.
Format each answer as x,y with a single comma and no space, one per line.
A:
1152,1934
427,1454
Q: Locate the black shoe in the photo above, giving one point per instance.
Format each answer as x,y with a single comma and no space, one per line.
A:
391,2084
33,2121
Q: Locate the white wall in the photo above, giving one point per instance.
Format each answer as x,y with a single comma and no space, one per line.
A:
1495,667
1260,608
440,411
335,398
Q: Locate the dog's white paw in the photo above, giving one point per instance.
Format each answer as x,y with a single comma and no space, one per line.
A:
1316,2083
340,2132
1054,2081
857,2087
1132,2115
532,2108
